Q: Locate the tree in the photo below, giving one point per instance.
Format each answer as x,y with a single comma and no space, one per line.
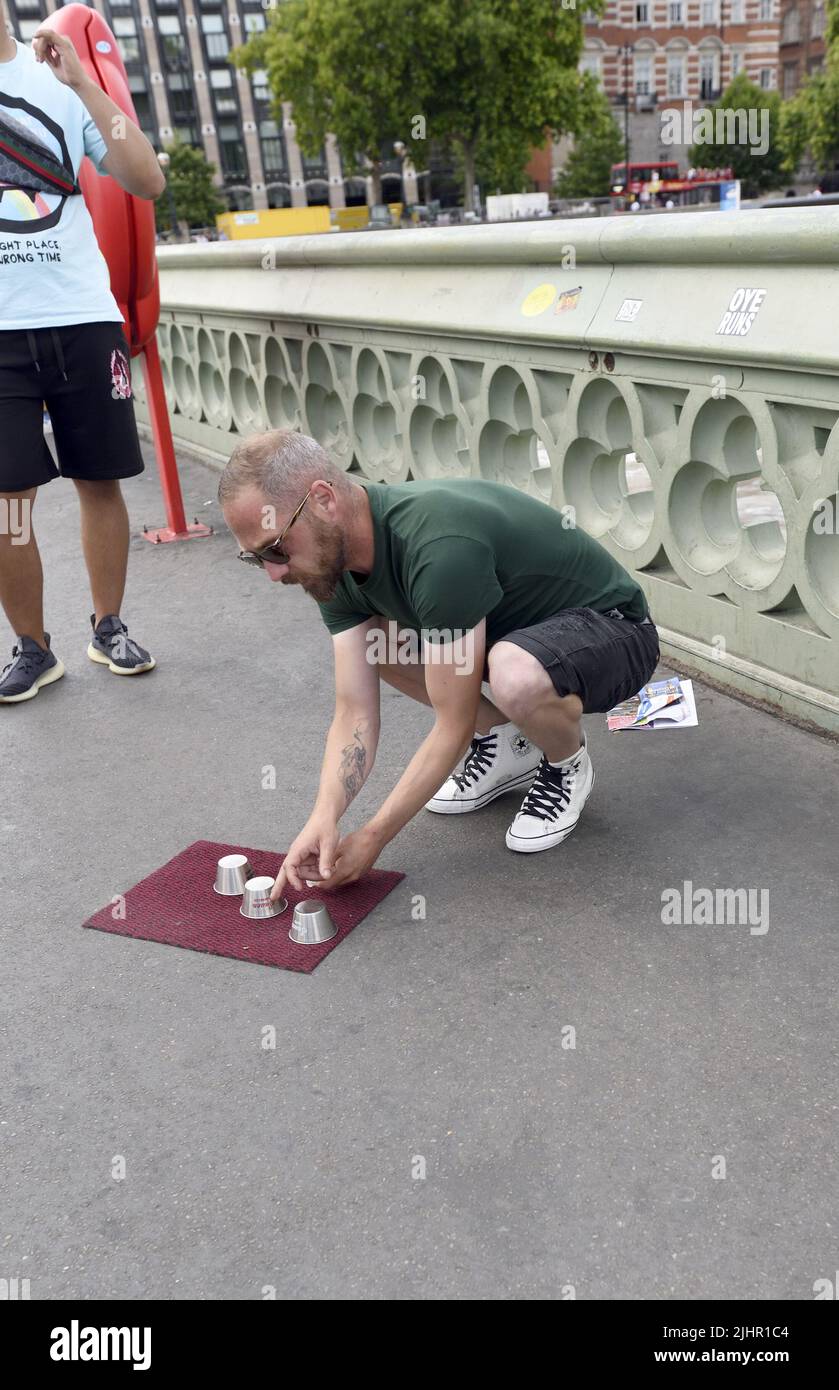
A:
505,81
597,146
344,65
749,124
500,166
487,79
810,119
190,179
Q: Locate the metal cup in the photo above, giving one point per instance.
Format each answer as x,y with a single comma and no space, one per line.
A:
232,873
257,902
311,923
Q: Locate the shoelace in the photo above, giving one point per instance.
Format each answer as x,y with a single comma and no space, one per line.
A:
26,658
550,793
478,760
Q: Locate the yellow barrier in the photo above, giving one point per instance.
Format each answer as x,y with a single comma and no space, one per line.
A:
352,219
238,226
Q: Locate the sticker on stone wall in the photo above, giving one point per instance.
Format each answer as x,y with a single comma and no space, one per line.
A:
628,312
568,300
741,312
538,300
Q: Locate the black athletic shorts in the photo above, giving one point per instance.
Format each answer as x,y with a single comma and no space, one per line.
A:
601,657
82,373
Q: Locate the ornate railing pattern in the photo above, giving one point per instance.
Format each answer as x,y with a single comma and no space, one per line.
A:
598,366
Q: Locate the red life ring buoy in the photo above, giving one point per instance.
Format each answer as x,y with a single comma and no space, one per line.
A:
124,225
125,229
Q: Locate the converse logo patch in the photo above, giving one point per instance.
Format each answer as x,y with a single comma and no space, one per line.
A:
520,745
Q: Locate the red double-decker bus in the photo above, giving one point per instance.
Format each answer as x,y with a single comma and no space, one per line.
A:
657,184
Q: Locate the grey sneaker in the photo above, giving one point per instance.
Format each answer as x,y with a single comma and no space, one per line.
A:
112,646
29,669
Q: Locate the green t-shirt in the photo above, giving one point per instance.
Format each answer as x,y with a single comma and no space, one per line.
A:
451,552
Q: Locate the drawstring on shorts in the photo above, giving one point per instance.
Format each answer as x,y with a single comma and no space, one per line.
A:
57,348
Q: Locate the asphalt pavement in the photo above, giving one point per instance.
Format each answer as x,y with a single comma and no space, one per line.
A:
514,1080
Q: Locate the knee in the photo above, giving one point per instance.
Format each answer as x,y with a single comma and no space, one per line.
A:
517,680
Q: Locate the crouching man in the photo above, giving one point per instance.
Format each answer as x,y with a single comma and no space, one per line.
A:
493,587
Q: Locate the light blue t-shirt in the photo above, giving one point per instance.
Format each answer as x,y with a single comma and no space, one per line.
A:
51,268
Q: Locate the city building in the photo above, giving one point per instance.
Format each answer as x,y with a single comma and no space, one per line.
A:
176,55
649,55
802,42
652,55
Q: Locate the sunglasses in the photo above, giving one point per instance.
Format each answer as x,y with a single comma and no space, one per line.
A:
273,553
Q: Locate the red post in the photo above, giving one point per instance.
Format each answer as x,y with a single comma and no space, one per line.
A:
177,529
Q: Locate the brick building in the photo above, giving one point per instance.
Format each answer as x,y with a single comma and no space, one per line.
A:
802,42
657,54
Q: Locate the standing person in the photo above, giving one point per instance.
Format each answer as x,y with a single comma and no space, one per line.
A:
62,344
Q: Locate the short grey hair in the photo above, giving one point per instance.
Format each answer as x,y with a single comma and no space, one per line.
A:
278,463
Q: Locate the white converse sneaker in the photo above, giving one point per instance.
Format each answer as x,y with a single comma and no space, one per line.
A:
497,762
552,807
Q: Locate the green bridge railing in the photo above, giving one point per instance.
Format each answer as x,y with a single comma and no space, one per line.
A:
672,383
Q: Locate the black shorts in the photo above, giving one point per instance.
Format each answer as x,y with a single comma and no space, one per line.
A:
599,657
82,373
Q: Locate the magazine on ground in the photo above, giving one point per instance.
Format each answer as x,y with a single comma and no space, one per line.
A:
667,704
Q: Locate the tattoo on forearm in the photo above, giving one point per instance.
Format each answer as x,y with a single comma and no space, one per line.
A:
354,763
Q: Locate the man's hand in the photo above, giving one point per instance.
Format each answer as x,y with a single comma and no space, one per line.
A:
311,856
356,853
130,158
58,52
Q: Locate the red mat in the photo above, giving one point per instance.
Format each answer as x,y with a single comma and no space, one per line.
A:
176,906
